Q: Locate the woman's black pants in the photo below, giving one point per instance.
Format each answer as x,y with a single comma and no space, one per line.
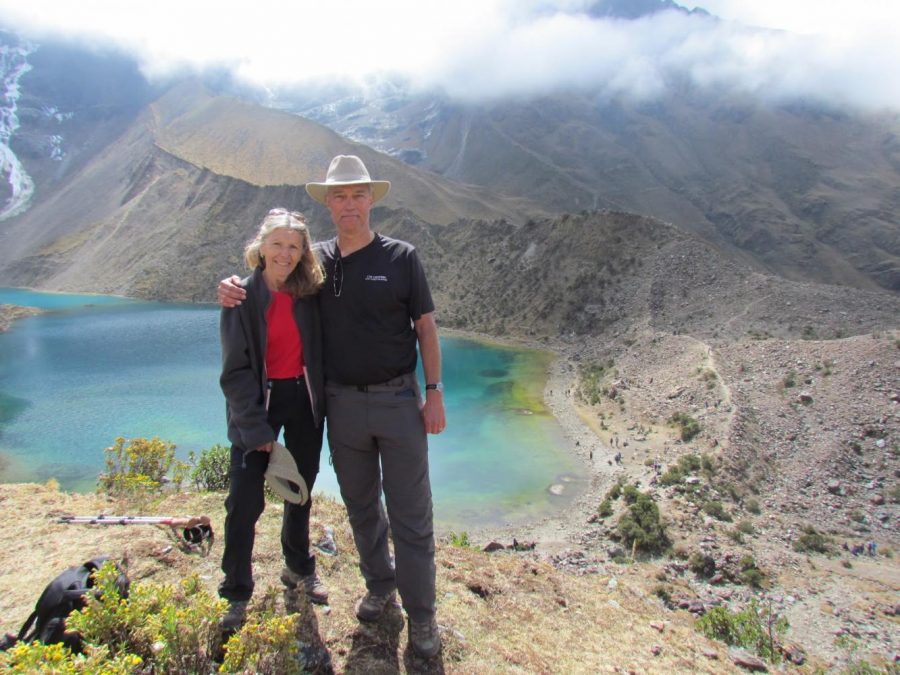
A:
289,408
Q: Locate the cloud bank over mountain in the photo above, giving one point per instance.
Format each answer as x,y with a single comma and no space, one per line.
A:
482,49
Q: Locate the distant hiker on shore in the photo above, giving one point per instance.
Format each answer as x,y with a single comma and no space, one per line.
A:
376,306
272,378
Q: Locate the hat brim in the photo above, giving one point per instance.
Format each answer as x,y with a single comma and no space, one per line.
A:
284,478
380,188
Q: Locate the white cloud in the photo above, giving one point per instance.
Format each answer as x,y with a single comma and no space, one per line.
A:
476,48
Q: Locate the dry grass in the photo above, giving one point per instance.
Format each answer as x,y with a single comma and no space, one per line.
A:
499,612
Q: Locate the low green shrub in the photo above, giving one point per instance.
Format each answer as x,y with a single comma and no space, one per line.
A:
689,427
174,628
642,527
616,490
750,574
630,493
459,539
687,464
702,565
137,467
267,643
672,476
708,376
662,592
606,509
826,368
746,527
58,660
590,387
209,470
736,536
715,509
690,463
167,629
754,628
812,542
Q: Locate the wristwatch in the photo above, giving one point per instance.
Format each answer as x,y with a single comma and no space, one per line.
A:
438,386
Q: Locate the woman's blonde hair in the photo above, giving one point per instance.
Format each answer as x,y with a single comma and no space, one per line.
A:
308,277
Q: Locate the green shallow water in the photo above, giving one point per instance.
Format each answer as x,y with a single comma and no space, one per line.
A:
93,368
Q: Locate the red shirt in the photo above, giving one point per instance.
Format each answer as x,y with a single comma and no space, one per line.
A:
284,346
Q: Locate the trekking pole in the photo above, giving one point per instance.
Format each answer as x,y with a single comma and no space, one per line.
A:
195,529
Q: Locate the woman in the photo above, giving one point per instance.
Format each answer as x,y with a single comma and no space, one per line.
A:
272,379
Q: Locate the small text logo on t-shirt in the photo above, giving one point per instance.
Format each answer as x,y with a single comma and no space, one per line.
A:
376,277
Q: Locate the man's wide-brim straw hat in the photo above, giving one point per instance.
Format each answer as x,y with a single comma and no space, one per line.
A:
348,170
283,476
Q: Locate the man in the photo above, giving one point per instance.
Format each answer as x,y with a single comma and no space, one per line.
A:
375,306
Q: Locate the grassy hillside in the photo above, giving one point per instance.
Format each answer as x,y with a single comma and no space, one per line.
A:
500,612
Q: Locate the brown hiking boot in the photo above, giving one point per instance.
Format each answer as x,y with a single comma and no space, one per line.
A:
310,583
425,637
234,616
372,606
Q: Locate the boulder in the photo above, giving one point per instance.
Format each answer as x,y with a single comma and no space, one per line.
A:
746,660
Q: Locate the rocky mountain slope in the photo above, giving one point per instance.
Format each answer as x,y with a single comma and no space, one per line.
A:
804,190
611,273
62,106
176,186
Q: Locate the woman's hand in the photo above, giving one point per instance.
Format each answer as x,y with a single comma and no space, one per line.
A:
266,447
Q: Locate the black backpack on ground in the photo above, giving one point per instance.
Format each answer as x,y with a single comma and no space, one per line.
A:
60,598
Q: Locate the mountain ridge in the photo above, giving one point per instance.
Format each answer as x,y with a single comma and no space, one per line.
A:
804,194
152,195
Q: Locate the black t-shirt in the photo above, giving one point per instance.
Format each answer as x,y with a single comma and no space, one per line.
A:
367,329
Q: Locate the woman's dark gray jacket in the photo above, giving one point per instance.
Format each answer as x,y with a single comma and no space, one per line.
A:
243,332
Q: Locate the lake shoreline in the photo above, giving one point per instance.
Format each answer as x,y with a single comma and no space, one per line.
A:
9,314
582,443
559,530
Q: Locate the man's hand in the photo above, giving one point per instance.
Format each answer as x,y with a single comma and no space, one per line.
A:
430,349
433,412
230,292
266,447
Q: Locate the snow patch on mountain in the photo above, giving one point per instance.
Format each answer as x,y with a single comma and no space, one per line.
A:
13,64
385,115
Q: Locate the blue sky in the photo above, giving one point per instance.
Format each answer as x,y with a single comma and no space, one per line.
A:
843,53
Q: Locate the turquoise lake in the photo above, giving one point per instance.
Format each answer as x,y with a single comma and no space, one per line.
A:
92,368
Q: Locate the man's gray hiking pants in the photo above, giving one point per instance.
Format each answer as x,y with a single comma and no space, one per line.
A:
378,441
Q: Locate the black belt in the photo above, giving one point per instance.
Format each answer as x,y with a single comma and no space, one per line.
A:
377,386
279,380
